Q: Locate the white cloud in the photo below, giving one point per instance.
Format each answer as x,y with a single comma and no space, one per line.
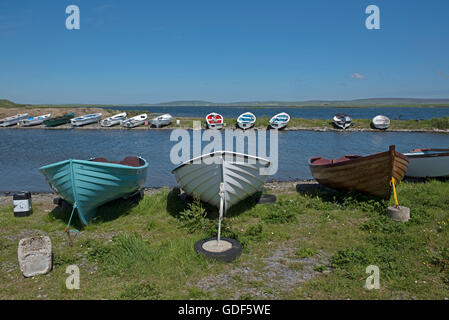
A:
358,76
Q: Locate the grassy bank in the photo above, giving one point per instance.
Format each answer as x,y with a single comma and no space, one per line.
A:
312,243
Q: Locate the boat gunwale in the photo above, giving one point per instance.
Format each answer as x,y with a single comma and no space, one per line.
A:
96,163
422,153
222,152
359,159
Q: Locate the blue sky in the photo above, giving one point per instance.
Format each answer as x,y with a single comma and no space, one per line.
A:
222,51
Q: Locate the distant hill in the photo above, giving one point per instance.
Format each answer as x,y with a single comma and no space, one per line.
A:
311,103
373,102
8,104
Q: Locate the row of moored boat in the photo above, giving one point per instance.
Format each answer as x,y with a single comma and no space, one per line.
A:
223,178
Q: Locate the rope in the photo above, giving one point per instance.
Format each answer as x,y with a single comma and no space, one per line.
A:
67,228
394,192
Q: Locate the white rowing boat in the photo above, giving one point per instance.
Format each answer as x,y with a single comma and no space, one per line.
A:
280,121
246,120
381,122
162,120
86,119
34,121
113,120
134,121
214,121
10,121
428,163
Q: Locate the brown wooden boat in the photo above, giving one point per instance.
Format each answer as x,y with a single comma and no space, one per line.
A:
370,175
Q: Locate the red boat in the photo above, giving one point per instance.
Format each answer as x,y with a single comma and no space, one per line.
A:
370,175
214,121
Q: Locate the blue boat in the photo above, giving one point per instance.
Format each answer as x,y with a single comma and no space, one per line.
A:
279,121
87,184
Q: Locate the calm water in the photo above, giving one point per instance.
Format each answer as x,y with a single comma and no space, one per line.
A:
306,113
22,152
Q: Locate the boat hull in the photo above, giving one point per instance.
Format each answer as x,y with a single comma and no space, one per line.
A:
430,163
54,122
246,120
134,121
114,120
83,120
89,184
342,121
10,121
280,121
370,175
214,121
381,122
240,174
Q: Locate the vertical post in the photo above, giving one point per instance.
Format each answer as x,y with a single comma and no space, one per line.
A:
220,217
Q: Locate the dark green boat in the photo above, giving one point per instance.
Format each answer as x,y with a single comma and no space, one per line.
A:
53,122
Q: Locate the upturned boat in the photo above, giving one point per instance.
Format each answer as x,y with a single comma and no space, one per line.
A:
87,184
428,163
239,174
34,121
371,174
246,120
279,121
86,119
214,121
163,120
381,122
134,121
113,120
57,121
342,121
14,120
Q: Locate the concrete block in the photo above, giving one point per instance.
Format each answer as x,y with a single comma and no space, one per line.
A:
400,214
35,256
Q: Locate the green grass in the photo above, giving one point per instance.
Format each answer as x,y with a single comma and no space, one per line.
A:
145,251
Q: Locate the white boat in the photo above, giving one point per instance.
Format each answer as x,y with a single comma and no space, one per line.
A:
279,121
240,174
428,163
113,120
246,120
34,121
214,121
134,121
342,120
381,122
162,120
13,120
86,119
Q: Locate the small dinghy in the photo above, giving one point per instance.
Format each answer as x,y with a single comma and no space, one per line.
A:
163,120
113,120
239,173
279,121
381,122
54,122
34,121
134,121
87,184
246,120
10,121
342,121
214,121
371,174
428,163
86,119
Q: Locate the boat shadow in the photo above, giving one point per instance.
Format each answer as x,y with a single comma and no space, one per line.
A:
334,196
177,202
105,213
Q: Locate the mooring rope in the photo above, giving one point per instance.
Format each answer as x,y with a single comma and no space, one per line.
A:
67,228
393,181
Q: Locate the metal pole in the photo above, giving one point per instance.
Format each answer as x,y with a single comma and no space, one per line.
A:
220,217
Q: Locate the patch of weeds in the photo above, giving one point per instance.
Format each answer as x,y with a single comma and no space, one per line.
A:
382,223
246,297
349,256
140,291
282,212
320,269
298,266
359,201
255,232
98,253
63,259
194,217
440,259
305,253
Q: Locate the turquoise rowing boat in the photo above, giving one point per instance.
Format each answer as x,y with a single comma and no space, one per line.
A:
87,184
